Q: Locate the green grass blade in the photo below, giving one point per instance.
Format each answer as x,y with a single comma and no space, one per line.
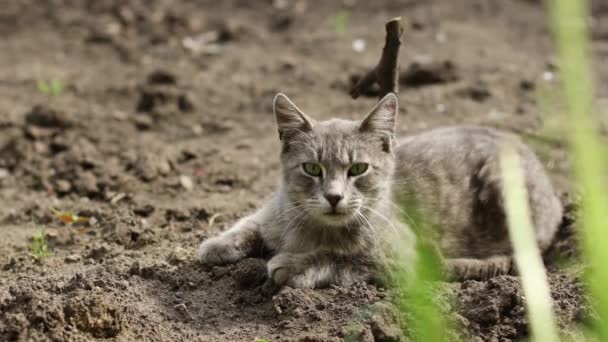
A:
526,252
570,31
426,320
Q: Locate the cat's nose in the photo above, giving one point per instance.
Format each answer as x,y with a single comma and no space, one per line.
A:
333,199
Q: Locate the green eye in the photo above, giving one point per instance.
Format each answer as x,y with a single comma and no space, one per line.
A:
357,169
312,169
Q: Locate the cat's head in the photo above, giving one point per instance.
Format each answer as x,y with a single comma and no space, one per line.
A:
336,170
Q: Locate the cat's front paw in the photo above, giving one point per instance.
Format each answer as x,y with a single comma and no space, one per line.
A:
279,269
218,251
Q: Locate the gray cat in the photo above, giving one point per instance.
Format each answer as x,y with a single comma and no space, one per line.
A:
333,219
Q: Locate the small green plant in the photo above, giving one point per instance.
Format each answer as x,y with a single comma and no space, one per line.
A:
39,246
53,87
261,340
341,21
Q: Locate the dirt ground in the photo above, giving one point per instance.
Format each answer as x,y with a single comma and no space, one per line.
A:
163,135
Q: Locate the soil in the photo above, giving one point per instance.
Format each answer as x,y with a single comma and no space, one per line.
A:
161,134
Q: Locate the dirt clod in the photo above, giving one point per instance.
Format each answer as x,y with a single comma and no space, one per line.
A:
419,74
250,272
41,116
93,315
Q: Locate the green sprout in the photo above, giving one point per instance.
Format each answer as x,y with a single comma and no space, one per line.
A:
52,88
341,21
39,246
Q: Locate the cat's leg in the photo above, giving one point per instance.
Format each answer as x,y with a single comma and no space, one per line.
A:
315,270
235,243
459,269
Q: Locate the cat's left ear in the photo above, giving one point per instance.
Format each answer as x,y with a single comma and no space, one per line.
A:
381,120
290,117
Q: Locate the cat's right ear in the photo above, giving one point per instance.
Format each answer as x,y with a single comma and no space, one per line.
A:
289,117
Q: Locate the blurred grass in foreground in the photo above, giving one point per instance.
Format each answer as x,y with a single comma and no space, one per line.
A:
526,253
426,321
571,37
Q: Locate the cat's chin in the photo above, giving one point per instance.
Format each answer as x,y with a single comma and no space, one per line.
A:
336,219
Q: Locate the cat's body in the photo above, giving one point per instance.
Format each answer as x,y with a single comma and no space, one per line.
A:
334,219
455,177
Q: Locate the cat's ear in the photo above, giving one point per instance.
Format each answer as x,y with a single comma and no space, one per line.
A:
290,117
381,120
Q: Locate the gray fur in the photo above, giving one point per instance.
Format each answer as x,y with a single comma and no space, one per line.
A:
451,172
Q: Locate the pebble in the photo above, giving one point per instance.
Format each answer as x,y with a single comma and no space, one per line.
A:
73,258
144,211
3,173
164,168
186,182
118,197
177,256
135,269
359,45
182,309
63,186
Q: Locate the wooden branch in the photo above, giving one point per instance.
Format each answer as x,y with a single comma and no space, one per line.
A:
386,73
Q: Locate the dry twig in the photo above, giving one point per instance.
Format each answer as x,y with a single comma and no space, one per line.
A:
386,73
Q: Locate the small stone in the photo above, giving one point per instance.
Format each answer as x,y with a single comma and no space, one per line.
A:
142,122
186,182
526,85
135,269
4,173
197,129
359,45
118,197
99,283
177,256
120,115
183,310
164,168
161,77
63,186
73,258
92,221
51,234
146,169
144,211
184,103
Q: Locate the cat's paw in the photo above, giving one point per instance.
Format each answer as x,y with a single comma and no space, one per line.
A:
218,251
280,269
